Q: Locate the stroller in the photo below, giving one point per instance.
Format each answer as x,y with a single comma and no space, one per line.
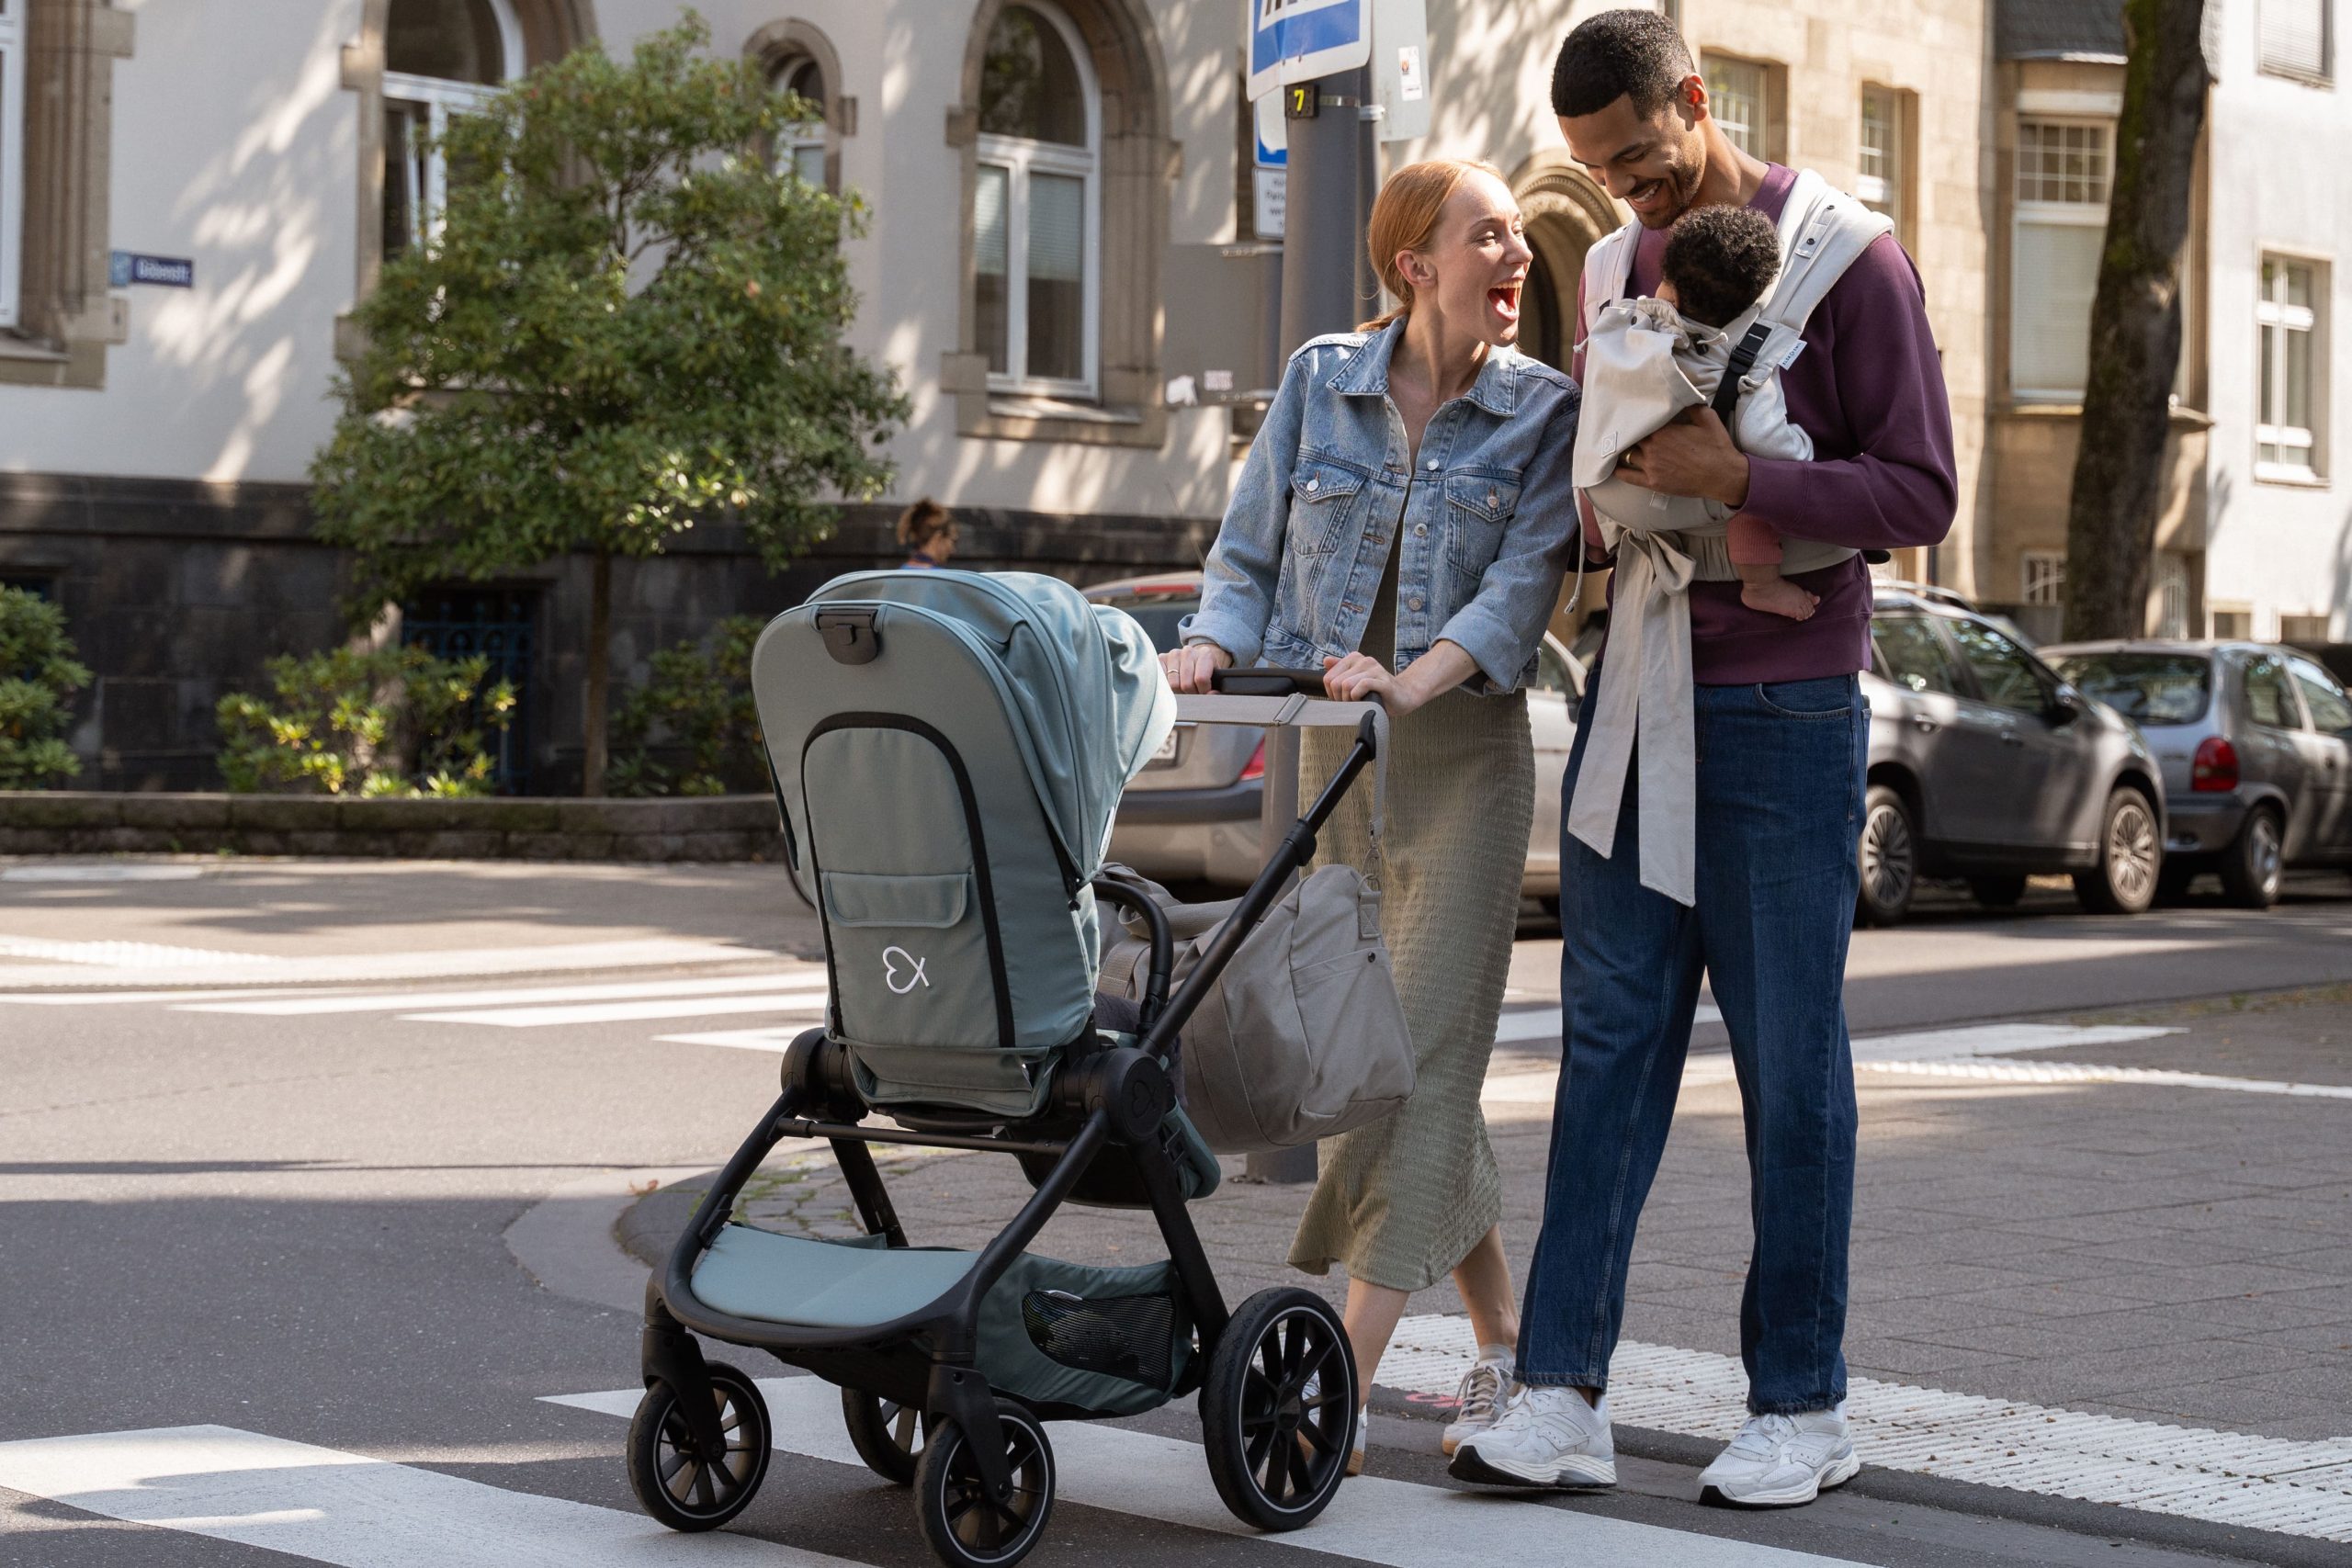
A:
948,748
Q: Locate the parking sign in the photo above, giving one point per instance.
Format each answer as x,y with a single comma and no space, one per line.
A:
1298,41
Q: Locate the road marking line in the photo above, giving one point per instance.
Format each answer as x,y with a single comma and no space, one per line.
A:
2072,1072
123,954
110,999
314,1003
377,968
1396,1523
802,1001
1999,1040
2188,1472
345,1508
776,1040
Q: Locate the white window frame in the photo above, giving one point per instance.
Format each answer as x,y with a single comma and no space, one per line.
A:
12,157
2042,577
1883,191
2172,595
2277,316
2321,12
2026,213
428,188
1020,158
1753,134
802,136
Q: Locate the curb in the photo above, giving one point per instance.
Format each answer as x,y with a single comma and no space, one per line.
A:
566,1241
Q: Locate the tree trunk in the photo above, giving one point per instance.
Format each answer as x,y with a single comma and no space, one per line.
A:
2135,323
600,673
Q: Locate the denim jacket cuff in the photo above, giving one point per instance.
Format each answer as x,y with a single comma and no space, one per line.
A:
1490,646
1225,631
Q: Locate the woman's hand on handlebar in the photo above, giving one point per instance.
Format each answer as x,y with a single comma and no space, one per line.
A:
1189,668
1359,678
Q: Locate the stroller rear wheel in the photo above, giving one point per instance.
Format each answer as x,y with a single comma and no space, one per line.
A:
886,1435
964,1526
1279,1408
681,1487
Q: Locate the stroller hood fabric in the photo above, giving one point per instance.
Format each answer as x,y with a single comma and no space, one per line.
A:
1083,677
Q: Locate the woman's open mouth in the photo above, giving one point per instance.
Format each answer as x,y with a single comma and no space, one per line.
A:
1504,297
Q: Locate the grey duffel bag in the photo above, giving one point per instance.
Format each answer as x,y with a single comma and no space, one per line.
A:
1302,1037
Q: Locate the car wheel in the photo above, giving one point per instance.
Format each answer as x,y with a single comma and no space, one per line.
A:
2131,858
1997,892
1889,852
2254,863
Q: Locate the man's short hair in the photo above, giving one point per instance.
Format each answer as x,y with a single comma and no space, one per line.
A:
1720,260
1620,54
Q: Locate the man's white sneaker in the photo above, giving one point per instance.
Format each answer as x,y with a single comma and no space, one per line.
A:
1356,1444
1479,1403
1546,1436
1780,1461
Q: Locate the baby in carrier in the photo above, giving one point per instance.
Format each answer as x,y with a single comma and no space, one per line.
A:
1718,262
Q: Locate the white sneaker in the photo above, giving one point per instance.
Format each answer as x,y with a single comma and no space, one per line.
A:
1546,1436
1478,1401
1780,1461
1355,1447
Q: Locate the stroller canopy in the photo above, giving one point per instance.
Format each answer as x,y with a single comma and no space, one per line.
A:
1081,678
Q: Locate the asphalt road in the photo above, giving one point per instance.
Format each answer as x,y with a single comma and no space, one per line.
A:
294,1225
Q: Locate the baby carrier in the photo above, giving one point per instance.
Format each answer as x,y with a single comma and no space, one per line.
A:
949,750
1643,715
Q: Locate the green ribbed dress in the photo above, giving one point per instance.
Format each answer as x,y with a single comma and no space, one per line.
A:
1401,1202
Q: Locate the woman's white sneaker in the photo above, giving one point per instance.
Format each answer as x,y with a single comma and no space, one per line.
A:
1546,1436
1780,1461
1479,1403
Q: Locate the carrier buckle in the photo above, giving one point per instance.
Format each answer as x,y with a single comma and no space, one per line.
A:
848,636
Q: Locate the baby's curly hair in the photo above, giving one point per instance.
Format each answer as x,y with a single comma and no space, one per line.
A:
1720,260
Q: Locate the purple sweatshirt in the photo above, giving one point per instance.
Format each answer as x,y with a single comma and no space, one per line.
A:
1869,389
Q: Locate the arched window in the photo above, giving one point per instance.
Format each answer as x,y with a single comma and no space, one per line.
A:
441,57
1036,205
800,147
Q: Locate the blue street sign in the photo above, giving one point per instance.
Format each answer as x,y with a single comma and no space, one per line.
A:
1298,41
168,272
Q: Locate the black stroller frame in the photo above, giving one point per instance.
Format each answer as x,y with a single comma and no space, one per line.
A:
1110,1106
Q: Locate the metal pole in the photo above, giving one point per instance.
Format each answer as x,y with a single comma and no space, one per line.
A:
1325,272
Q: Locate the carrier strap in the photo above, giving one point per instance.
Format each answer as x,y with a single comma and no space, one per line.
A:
1743,359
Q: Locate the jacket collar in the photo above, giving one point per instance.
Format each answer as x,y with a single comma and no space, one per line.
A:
1364,372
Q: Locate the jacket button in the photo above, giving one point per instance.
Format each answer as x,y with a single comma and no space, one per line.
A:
1314,485
1420,530
1414,602
1430,465
1494,501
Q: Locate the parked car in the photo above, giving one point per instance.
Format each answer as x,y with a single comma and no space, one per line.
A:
1192,814
2254,741
1985,763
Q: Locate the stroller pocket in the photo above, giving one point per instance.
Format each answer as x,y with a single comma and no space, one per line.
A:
910,954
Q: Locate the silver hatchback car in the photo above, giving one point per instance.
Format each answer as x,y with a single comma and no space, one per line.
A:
1192,814
2256,744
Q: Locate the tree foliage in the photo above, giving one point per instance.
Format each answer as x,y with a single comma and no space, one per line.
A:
39,676
627,324
2135,322
697,702
366,721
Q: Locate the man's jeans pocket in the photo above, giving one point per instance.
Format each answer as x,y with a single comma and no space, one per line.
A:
1829,697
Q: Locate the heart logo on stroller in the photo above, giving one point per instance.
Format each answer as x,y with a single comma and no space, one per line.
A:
890,957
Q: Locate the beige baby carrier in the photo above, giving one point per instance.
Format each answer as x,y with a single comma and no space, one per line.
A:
1664,543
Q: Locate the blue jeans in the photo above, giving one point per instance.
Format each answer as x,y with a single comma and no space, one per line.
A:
1780,801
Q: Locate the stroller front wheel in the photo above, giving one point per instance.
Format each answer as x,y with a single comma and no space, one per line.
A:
674,1483
1279,1408
965,1527
886,1435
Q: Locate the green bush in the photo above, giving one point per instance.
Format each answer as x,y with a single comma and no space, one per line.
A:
698,702
388,721
39,676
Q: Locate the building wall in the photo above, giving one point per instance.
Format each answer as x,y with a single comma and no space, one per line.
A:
2276,549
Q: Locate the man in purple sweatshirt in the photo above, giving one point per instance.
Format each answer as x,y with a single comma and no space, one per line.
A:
1782,734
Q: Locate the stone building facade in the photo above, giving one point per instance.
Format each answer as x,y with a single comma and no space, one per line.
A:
1039,273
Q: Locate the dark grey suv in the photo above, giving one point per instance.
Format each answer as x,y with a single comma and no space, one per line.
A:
1986,764
2256,745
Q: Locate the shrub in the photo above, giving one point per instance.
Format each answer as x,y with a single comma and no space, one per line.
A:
39,676
698,702
388,721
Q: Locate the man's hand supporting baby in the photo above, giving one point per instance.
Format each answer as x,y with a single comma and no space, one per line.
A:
1691,455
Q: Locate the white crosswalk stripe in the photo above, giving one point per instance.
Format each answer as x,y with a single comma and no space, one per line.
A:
314,1004
797,1000
345,1508
1395,1523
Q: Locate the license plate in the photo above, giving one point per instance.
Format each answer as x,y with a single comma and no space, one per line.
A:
1166,753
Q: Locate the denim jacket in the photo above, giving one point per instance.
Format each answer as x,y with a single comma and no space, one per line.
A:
1489,516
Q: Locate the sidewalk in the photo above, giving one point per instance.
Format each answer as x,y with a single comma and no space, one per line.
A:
2145,1251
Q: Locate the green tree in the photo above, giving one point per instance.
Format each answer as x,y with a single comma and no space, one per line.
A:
2135,322
39,676
366,721
698,702
628,323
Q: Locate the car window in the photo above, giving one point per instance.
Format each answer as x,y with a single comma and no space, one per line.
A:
2329,708
1552,672
2147,688
1913,655
2004,671
2268,700
1159,618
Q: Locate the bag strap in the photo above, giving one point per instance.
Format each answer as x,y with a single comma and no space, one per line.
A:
1725,402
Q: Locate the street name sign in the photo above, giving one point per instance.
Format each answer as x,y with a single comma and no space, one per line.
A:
126,269
1298,41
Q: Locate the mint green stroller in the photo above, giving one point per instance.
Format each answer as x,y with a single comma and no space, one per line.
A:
948,748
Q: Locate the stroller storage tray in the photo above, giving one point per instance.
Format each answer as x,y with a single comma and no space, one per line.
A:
855,1283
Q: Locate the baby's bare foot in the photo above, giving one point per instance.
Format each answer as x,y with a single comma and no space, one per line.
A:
1780,597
